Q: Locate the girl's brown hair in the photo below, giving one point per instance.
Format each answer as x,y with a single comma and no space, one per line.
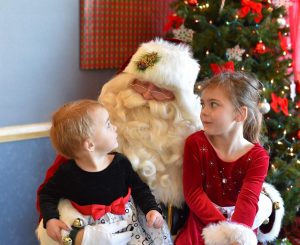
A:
244,90
71,125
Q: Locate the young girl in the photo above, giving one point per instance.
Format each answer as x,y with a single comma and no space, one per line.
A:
224,165
99,184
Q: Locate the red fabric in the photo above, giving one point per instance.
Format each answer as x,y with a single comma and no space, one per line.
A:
248,6
202,186
110,31
294,22
50,172
97,210
216,69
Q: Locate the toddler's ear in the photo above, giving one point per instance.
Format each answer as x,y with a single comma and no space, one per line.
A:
89,145
241,114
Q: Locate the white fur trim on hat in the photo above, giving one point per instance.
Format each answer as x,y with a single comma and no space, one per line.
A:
175,70
278,213
224,233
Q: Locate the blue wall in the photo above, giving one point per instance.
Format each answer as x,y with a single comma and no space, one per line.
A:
39,60
39,70
22,168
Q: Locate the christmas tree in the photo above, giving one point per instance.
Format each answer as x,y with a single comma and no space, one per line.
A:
251,36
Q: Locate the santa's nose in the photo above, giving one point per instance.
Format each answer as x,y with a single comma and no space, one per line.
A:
147,94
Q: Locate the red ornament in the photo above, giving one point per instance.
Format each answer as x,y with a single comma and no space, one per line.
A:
298,134
192,2
260,48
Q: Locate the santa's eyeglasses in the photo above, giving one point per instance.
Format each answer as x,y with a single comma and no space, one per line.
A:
150,91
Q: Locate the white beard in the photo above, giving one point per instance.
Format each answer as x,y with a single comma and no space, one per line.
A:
151,134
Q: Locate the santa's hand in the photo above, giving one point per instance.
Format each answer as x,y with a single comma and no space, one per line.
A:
54,227
154,219
105,234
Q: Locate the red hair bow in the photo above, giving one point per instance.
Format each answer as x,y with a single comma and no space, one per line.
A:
97,210
256,8
228,66
279,104
173,21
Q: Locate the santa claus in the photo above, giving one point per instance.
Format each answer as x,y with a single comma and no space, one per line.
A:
153,105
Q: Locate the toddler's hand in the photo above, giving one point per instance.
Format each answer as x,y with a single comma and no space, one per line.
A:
54,227
154,219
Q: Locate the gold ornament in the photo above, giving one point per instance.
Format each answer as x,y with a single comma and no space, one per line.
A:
276,205
266,221
67,240
78,223
147,60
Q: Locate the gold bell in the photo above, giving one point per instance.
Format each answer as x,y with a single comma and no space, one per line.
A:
266,221
67,240
78,223
276,205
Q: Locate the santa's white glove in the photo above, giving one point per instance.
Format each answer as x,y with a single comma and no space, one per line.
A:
105,234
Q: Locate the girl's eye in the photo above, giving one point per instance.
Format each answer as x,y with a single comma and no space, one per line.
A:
202,105
213,104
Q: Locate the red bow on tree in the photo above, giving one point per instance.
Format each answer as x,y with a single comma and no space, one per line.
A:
97,210
279,104
255,7
228,66
283,42
173,21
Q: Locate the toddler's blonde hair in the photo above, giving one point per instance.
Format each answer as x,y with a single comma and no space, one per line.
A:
71,126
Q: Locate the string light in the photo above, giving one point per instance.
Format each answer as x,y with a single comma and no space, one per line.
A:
272,81
207,52
286,87
284,53
210,22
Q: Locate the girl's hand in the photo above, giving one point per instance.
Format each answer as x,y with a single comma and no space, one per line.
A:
154,219
54,227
